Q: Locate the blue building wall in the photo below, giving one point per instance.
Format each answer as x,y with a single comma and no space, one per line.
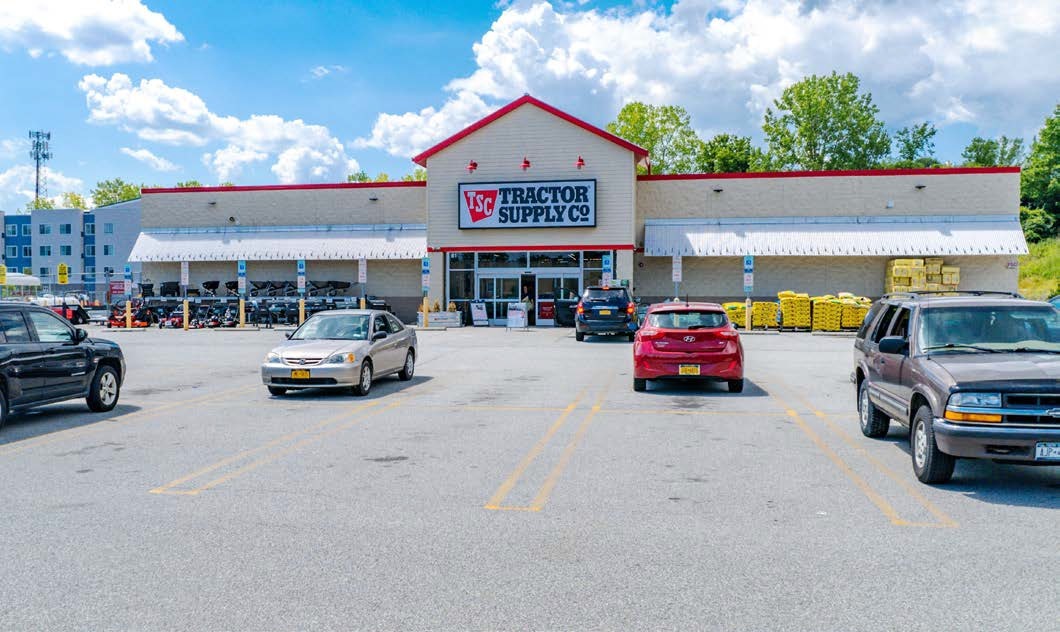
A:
18,235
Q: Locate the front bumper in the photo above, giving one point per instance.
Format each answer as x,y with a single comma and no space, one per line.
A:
320,375
992,442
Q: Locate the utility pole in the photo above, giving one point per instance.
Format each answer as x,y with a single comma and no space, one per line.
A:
41,153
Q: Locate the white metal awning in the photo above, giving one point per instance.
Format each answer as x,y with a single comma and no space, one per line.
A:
282,243
885,236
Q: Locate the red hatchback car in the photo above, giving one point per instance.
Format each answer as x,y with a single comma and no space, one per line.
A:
687,341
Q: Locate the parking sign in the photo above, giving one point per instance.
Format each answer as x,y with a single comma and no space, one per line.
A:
677,269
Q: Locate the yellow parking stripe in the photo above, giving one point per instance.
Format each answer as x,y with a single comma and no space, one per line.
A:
557,471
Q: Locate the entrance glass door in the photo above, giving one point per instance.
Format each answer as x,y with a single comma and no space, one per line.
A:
549,289
496,292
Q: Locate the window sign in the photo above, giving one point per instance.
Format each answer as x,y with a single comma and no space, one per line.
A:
547,204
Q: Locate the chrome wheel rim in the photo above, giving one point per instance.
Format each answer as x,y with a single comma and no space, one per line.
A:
366,377
108,388
920,444
410,365
864,408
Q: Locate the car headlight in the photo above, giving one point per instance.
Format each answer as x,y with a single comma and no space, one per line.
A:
272,356
341,358
980,400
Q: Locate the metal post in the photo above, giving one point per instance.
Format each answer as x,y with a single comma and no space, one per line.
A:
128,312
747,315
242,312
301,311
185,314
426,311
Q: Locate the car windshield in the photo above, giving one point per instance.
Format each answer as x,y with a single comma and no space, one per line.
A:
687,320
617,295
994,328
334,327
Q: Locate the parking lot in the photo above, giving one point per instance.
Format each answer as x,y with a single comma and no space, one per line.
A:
517,482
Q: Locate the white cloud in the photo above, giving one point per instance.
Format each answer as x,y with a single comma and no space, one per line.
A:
13,147
145,156
990,64
17,185
319,72
86,32
157,112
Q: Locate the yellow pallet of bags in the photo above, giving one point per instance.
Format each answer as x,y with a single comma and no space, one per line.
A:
763,314
736,312
853,315
827,315
795,312
785,294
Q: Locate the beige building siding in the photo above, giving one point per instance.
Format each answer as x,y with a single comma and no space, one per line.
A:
943,194
721,278
552,145
287,207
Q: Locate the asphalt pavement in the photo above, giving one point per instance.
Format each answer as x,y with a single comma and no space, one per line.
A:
516,483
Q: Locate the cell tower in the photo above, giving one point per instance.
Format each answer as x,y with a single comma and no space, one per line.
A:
40,153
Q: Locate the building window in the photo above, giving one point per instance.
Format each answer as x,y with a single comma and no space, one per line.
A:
45,272
65,229
90,250
45,229
502,260
90,273
12,230
66,251
27,230
90,229
108,228
45,251
107,270
554,259
592,267
27,252
12,252
108,250
12,270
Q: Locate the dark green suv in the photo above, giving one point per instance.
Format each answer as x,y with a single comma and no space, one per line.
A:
972,374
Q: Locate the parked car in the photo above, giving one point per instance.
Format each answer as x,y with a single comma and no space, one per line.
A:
973,376
566,302
690,341
1055,301
605,310
345,348
98,316
43,359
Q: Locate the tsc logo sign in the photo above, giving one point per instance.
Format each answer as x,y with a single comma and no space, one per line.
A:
480,204
552,204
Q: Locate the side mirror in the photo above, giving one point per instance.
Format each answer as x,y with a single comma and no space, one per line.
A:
80,335
379,335
894,345
288,335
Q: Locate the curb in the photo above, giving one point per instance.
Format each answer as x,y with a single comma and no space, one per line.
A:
835,334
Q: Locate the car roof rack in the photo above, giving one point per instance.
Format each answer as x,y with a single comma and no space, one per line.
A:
917,293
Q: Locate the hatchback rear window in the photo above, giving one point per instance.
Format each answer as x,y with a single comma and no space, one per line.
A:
687,320
599,294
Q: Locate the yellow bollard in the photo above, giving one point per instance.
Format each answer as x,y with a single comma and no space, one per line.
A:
242,313
364,304
185,314
747,316
426,311
301,311
128,313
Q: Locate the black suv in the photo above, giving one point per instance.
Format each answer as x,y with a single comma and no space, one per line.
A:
44,360
605,311
972,374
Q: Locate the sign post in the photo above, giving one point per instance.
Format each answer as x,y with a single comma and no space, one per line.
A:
608,271
425,272
128,297
362,279
748,286
301,291
184,291
242,280
677,272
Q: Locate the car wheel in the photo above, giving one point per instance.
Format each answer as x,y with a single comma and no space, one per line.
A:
640,384
930,464
735,386
103,395
874,422
579,336
278,391
365,383
632,337
409,369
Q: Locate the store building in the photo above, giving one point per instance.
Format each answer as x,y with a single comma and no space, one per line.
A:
531,201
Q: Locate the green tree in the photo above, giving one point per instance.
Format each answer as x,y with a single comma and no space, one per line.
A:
915,146
39,203
114,191
187,184
664,130
1038,224
988,152
227,183
382,177
1041,174
824,123
725,153
360,176
419,174
74,200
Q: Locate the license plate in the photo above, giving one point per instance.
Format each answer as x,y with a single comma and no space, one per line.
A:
605,312
688,369
1047,451
300,374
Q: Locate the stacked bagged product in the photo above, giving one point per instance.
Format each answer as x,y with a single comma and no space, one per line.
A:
794,309
737,313
763,314
905,275
827,313
951,277
854,310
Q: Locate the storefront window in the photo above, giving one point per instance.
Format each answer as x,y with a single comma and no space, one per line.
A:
553,259
502,260
594,259
592,277
461,261
461,285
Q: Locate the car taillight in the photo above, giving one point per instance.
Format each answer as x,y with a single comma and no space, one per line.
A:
580,310
631,308
650,334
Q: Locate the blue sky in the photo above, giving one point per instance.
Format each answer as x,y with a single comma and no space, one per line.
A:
265,92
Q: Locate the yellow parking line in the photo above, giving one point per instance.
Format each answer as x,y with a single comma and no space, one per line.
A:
665,411
506,487
104,424
553,476
169,488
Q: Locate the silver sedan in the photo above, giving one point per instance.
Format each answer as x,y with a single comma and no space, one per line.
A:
347,348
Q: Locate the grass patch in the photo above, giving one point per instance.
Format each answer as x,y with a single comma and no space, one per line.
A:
1040,270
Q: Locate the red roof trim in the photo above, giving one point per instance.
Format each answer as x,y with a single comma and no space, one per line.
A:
526,99
291,187
942,171
531,248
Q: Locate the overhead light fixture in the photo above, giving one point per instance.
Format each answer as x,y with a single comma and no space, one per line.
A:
580,162
526,163
718,189
373,198
920,186
471,166
212,202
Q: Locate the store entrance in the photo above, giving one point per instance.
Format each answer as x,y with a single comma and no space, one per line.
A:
496,291
552,294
